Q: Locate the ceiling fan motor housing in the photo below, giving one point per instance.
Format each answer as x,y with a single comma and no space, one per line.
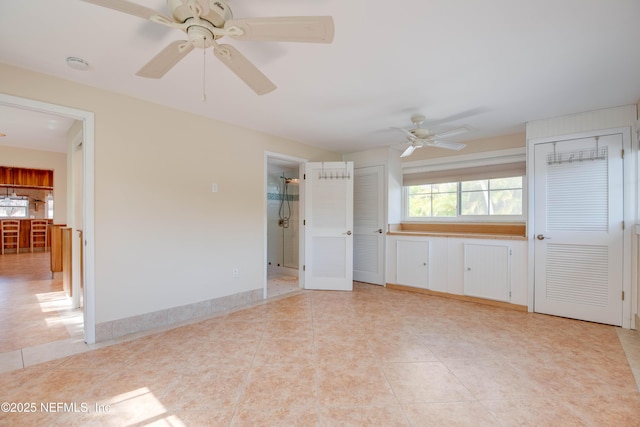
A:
421,133
219,12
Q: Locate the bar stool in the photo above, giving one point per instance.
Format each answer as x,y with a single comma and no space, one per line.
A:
10,235
39,233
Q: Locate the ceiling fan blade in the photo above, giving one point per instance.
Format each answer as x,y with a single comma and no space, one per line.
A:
244,69
309,29
451,132
165,60
126,7
409,151
449,145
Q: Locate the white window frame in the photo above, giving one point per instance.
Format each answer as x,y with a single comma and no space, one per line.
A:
476,160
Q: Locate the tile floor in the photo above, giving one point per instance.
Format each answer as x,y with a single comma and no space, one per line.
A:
280,284
374,356
34,308
35,315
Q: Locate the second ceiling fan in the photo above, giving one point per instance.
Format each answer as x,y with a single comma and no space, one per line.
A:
419,137
206,21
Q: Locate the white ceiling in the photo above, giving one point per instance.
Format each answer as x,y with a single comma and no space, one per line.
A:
491,65
34,130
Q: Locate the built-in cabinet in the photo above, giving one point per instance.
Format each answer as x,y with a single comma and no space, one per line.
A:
28,178
491,269
487,271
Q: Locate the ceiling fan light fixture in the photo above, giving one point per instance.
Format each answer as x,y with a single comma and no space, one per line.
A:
77,63
421,132
205,21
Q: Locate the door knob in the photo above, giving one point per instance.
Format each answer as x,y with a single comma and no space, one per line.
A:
541,237
379,230
348,233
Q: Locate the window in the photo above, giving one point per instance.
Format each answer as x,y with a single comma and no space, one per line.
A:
49,208
14,208
499,196
494,197
439,200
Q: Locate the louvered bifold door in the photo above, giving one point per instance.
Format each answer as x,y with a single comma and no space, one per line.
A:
578,228
369,230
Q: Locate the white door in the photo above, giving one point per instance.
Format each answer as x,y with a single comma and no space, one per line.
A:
328,226
368,225
578,245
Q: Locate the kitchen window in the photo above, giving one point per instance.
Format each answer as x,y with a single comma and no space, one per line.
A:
14,208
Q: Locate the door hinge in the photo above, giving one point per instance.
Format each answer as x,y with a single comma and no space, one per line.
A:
623,153
509,294
510,253
622,295
623,225
304,222
304,268
304,176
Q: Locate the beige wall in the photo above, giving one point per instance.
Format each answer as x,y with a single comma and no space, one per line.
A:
24,158
518,140
162,238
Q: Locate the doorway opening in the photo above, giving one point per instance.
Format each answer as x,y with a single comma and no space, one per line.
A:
283,215
79,216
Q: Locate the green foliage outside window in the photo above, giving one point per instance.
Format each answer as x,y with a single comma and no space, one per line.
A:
433,200
498,196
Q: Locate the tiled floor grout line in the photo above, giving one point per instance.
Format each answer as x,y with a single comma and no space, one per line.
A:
243,388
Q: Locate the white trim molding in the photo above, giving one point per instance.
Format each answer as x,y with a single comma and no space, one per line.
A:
487,158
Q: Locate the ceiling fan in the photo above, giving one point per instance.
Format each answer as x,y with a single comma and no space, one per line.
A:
419,137
206,21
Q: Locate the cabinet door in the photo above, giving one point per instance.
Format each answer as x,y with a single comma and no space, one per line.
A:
487,271
412,263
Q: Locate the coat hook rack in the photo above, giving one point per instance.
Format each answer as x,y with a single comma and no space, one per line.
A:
597,153
339,174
